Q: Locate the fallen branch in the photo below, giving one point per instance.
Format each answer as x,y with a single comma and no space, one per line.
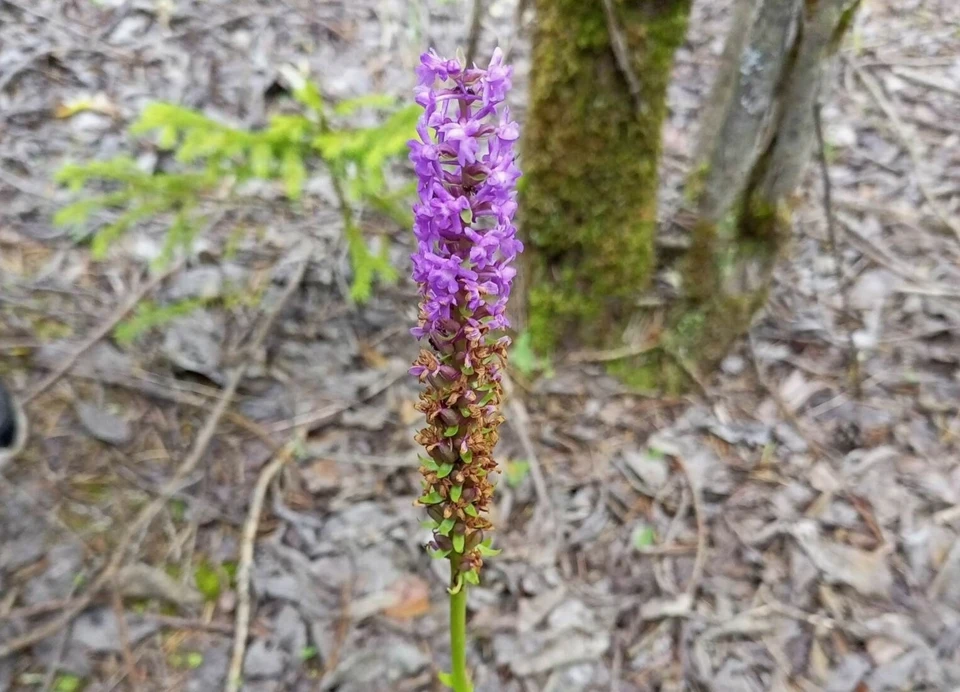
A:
343,629
546,519
179,623
242,624
53,667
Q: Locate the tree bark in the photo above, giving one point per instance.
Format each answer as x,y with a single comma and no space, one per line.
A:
751,162
599,79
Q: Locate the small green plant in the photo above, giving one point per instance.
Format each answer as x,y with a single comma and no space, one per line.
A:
66,682
149,315
190,660
526,360
152,315
517,471
212,159
209,580
643,536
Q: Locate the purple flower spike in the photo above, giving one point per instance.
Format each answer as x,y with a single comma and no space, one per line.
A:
466,246
464,160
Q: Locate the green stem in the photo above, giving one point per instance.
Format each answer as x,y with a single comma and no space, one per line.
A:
458,632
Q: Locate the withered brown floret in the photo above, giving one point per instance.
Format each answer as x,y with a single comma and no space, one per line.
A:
461,407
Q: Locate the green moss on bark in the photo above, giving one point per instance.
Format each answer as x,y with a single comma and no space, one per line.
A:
590,162
726,277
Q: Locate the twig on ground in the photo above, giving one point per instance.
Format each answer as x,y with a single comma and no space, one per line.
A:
54,666
36,609
852,355
61,648
612,354
476,28
853,203
189,624
123,632
170,488
947,516
212,26
140,382
876,91
397,461
313,419
245,565
80,33
939,583
621,51
664,579
114,681
100,333
700,560
616,665
924,79
343,629
519,420
689,369
24,185
666,549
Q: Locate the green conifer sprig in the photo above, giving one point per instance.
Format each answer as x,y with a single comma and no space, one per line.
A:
212,158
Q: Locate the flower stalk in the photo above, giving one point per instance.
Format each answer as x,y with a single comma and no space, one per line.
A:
466,246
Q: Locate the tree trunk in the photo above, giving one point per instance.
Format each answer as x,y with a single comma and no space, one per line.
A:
751,161
590,160
599,80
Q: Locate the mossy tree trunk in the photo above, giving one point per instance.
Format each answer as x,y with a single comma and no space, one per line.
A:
590,159
599,80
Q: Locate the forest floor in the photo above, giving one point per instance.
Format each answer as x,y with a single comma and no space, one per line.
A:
778,531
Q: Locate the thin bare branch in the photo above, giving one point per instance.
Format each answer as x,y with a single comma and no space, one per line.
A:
852,355
245,565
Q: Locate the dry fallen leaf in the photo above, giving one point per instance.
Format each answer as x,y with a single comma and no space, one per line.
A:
408,412
322,476
883,650
413,599
372,357
867,572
